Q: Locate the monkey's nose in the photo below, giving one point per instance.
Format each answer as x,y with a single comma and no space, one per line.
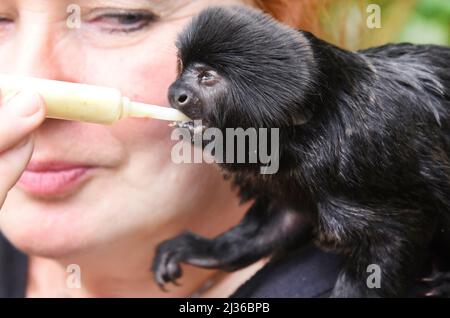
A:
180,98
183,98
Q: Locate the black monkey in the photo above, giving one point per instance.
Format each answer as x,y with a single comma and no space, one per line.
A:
364,147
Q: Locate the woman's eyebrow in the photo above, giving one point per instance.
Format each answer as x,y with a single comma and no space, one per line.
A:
167,7
160,7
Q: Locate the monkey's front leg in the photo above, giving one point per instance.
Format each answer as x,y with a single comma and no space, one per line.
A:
264,229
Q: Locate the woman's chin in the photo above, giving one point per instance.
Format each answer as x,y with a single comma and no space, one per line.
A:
46,230
48,247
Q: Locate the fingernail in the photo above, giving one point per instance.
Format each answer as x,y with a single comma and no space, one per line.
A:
25,104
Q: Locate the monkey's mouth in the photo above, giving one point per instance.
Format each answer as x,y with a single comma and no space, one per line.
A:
195,127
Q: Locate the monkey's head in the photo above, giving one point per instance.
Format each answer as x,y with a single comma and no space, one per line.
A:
238,67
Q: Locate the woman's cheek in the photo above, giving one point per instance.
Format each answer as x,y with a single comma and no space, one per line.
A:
151,79
145,136
149,75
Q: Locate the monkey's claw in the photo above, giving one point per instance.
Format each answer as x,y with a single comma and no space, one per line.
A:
439,283
169,254
166,267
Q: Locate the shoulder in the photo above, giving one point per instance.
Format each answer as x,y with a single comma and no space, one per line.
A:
306,273
13,270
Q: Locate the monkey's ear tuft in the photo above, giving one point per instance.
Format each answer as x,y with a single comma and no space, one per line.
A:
179,65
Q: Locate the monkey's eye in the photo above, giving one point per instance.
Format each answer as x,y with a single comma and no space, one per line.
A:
207,77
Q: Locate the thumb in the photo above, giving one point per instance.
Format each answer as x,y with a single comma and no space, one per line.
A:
12,164
19,115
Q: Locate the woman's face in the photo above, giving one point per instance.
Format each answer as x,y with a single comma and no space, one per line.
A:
132,189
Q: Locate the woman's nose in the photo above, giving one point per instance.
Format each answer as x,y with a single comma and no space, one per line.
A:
35,55
31,50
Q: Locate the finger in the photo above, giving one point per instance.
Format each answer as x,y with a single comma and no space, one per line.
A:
12,164
20,115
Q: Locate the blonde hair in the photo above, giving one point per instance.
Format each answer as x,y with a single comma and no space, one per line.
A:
342,22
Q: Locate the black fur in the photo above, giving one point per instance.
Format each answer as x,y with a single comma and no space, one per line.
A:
364,147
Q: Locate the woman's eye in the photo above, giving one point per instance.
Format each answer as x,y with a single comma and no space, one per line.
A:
5,21
125,22
5,26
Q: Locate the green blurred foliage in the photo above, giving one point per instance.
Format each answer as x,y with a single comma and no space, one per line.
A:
429,22
345,22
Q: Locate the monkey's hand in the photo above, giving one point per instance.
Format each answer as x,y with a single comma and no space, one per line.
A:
169,254
439,283
255,237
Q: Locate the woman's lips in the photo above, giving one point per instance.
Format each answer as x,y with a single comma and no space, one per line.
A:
52,178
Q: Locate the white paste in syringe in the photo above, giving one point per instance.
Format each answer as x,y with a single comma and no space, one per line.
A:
87,103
